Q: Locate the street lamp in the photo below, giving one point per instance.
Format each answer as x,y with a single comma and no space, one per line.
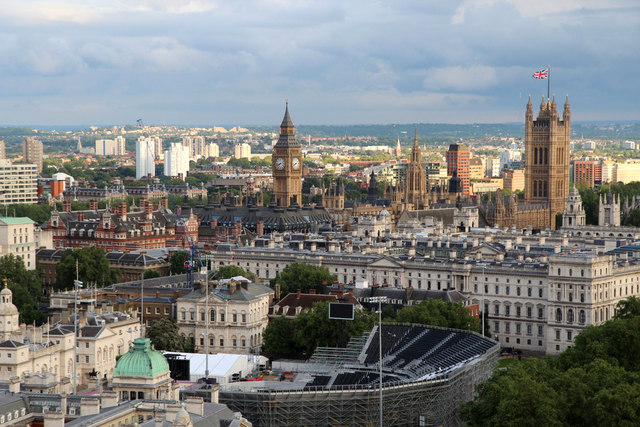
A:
483,265
206,321
379,300
76,284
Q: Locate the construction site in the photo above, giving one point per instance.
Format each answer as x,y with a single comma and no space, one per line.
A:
428,373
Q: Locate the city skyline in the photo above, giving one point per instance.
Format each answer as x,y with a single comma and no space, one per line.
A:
209,63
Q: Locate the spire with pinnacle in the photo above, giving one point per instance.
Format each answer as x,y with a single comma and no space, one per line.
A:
287,130
566,114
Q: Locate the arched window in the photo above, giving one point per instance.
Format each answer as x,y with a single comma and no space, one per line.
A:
570,315
558,315
582,318
212,317
535,156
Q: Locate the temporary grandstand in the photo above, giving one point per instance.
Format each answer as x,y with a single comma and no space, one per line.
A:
428,373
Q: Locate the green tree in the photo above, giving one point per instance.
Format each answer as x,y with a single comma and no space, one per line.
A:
93,268
176,262
517,397
279,339
229,271
314,328
594,382
440,313
628,308
633,219
165,335
26,287
151,274
299,275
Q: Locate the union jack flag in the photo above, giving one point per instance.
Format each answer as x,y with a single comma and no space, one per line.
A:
542,74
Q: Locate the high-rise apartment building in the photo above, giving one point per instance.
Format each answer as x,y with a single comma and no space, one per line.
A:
211,150
242,151
458,160
196,146
145,157
32,152
176,160
18,182
111,147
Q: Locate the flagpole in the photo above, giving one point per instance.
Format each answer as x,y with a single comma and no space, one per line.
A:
548,80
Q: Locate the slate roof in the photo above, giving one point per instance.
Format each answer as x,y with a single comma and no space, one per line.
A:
11,344
274,218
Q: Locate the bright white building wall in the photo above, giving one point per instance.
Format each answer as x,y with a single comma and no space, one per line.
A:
176,160
145,158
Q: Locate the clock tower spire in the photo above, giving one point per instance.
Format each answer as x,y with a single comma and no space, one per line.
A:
287,165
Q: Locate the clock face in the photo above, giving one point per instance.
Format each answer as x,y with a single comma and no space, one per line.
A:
295,163
280,163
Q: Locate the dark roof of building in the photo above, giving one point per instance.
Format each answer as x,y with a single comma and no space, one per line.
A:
274,218
11,344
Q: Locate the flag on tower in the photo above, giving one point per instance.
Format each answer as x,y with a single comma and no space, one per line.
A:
542,74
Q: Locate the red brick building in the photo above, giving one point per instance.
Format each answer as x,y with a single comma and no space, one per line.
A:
116,229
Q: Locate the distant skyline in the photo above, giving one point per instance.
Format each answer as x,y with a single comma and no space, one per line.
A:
205,62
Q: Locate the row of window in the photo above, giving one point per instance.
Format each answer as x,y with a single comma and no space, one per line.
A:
213,317
507,290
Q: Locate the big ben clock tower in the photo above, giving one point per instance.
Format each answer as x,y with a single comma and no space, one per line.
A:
287,165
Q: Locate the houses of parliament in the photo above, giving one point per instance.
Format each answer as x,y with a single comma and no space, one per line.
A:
546,187
547,140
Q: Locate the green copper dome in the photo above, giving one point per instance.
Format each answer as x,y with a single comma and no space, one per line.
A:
141,361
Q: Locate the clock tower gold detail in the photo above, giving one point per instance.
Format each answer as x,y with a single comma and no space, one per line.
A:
286,169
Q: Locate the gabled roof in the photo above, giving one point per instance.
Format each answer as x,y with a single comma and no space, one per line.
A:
386,261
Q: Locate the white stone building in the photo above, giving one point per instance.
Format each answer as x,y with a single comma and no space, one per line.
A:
17,237
237,317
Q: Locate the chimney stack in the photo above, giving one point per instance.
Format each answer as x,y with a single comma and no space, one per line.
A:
66,206
93,205
260,228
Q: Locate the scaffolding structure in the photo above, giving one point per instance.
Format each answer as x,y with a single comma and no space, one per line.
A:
407,400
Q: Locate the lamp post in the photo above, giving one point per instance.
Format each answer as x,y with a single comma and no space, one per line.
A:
379,300
76,284
144,262
483,265
206,321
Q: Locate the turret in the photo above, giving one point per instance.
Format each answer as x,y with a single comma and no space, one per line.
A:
554,109
529,113
566,114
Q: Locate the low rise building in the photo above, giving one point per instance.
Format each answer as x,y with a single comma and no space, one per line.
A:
237,316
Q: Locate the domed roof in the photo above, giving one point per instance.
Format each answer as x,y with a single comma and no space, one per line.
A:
182,418
384,212
142,360
6,305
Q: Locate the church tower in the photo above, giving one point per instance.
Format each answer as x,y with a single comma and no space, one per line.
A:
547,156
287,165
416,187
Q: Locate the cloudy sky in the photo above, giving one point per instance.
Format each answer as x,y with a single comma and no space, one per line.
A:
85,62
